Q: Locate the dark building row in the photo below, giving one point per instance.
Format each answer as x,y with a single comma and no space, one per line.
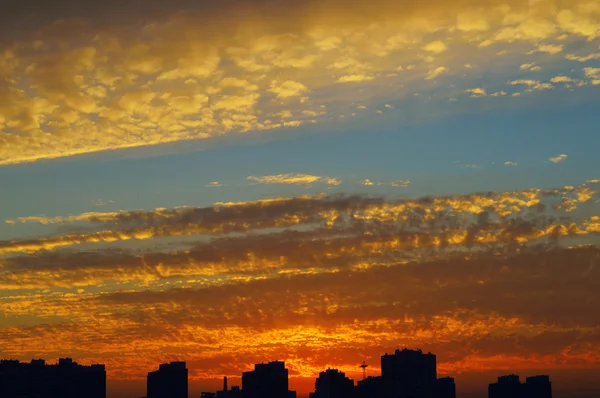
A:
404,374
511,387
66,379
267,380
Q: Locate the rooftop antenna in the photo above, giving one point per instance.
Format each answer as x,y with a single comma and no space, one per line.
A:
364,367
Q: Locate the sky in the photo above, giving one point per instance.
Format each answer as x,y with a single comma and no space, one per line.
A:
319,182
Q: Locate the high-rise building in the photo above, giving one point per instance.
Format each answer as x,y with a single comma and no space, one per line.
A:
445,388
537,387
169,381
66,379
506,387
333,384
409,374
267,380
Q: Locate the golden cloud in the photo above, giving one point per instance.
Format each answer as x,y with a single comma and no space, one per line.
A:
185,76
223,219
593,74
432,74
558,159
288,89
476,92
561,79
354,78
550,48
530,67
436,47
293,179
367,182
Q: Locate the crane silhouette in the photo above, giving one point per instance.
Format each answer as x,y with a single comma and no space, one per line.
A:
364,367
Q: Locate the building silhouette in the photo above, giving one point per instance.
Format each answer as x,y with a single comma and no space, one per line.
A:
267,380
409,374
66,379
445,388
506,387
510,387
333,384
537,387
169,381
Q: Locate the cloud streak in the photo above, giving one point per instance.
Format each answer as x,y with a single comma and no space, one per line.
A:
294,179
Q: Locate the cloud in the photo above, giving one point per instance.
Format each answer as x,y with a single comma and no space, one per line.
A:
294,179
396,184
543,86
530,67
464,301
593,74
214,184
436,47
288,89
354,78
509,163
333,181
562,79
476,92
196,71
558,158
431,271
549,48
533,84
227,218
432,74
524,82
236,102
353,227
400,183
584,58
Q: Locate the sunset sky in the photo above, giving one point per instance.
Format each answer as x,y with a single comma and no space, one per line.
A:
315,181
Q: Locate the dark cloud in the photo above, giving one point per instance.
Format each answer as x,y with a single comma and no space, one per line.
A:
518,212
554,287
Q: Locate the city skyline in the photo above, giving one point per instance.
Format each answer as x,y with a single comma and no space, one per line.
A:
171,380
314,181
405,371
